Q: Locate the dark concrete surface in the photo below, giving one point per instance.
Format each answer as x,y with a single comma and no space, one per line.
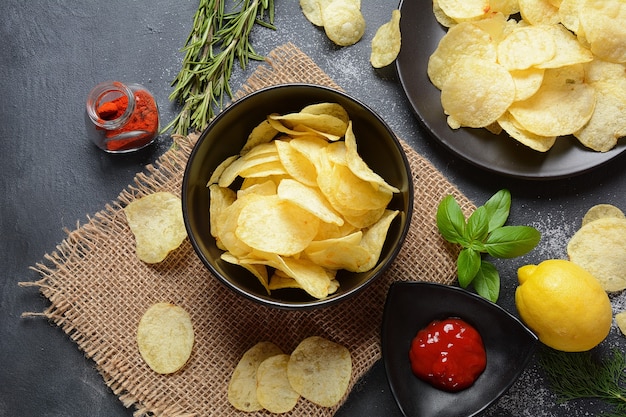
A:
51,54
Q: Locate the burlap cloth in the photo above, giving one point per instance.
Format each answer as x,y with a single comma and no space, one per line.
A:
98,289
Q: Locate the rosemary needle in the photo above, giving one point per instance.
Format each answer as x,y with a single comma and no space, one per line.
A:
580,375
217,38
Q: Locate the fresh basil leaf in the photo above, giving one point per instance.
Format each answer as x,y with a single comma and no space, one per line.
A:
512,241
450,220
487,282
498,208
467,264
477,225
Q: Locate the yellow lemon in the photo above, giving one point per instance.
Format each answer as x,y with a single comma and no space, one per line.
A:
564,305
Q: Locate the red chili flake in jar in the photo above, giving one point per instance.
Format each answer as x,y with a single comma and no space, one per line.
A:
449,354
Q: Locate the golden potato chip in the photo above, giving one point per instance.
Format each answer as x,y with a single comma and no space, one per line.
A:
477,92
258,270
607,122
533,141
360,168
332,109
296,164
604,29
312,11
270,224
264,132
562,105
156,221
441,16
569,51
340,253
264,186
539,12
343,22
242,385
319,122
320,370
460,10
273,390
165,337
526,46
219,199
226,232
600,211
569,11
309,199
461,41
506,7
600,248
527,82
374,238
386,42
620,320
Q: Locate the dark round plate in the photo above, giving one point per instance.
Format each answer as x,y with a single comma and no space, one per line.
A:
411,306
497,153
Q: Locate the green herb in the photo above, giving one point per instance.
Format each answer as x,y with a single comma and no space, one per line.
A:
216,39
575,375
484,232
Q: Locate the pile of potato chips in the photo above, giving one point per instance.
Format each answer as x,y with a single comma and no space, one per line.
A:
165,337
156,221
318,369
342,20
299,203
560,70
599,246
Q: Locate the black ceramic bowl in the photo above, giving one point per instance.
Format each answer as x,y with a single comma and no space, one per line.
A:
226,135
411,306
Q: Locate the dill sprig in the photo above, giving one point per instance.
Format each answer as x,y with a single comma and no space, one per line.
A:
217,38
576,375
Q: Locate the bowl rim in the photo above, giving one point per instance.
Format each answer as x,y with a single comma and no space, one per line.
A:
313,303
402,286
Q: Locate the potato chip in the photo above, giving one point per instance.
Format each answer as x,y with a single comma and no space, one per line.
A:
374,238
569,11
386,42
477,92
242,385
461,41
441,16
526,46
312,11
460,10
604,29
165,337
601,211
539,12
296,164
562,105
157,223
273,390
607,123
600,248
620,320
332,109
506,7
569,51
270,224
343,22
264,132
258,270
309,199
319,122
219,199
527,82
340,253
320,370
227,219
533,141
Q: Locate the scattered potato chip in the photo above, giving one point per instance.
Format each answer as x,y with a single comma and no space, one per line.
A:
273,390
242,385
312,11
156,221
343,22
386,42
320,370
602,23
620,319
601,211
165,337
600,248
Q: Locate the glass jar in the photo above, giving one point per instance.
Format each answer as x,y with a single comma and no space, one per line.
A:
121,117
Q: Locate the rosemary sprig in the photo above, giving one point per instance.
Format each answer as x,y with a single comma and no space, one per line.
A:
575,375
217,38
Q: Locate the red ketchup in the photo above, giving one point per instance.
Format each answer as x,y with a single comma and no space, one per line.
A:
449,354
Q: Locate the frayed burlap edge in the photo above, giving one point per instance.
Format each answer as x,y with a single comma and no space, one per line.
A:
98,289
